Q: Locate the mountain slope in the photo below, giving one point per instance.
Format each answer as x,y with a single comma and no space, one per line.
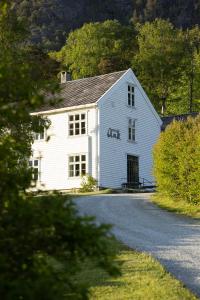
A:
52,20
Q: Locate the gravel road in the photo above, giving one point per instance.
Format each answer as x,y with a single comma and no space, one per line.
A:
174,240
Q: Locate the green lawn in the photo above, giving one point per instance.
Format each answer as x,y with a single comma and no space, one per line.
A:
143,278
177,206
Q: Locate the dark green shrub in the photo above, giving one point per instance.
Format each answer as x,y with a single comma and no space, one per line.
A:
42,245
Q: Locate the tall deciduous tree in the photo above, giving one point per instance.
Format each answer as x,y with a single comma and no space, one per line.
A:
22,77
97,48
191,66
158,60
42,240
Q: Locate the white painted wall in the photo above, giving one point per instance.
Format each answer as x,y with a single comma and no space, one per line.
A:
114,113
106,157
54,153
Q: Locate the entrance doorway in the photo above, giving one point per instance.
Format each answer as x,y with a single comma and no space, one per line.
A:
133,171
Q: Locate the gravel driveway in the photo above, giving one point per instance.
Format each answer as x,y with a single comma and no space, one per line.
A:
174,240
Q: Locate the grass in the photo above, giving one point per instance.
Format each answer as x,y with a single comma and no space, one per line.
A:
143,278
178,206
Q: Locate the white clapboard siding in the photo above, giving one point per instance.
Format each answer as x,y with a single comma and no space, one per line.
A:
106,157
55,152
114,113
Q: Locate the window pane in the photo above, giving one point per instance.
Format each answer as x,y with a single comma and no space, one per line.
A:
42,135
71,126
71,118
129,99
133,135
77,158
83,169
30,163
82,116
71,132
133,89
129,88
76,117
71,159
77,126
35,174
83,128
35,163
133,100
71,171
83,157
77,170
36,136
129,133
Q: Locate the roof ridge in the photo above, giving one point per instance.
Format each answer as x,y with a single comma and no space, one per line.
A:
84,78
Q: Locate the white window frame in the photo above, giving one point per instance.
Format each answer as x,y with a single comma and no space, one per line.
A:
75,165
131,130
40,136
34,163
75,122
131,96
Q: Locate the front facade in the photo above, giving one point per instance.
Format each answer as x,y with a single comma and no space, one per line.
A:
106,127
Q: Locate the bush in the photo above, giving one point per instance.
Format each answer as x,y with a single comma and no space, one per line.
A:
42,245
88,184
177,161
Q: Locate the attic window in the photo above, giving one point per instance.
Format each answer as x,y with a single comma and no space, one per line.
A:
77,124
131,95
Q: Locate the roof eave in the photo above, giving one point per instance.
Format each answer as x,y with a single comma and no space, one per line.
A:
64,109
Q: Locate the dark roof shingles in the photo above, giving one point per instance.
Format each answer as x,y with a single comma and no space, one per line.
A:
169,119
83,91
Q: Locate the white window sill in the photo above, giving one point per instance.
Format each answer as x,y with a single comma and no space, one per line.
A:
131,107
132,142
77,136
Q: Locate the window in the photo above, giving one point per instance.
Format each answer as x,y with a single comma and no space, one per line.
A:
39,136
34,164
131,130
77,124
77,165
131,96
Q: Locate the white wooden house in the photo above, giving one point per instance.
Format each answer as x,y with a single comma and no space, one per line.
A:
105,126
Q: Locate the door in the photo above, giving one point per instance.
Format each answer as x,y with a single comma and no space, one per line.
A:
132,171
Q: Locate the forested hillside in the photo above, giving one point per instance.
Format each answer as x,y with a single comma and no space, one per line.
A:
52,20
182,13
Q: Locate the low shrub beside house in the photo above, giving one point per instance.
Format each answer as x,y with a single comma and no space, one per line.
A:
177,161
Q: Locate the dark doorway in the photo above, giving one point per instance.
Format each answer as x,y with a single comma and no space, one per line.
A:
133,171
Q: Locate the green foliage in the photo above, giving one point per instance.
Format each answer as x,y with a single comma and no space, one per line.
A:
158,60
51,20
177,161
97,48
24,72
43,243
183,14
88,184
167,63
42,240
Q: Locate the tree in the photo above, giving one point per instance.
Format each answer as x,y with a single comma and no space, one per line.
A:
42,240
24,73
157,62
191,67
97,48
177,161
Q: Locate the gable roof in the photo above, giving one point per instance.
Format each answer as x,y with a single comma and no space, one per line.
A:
83,91
169,119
